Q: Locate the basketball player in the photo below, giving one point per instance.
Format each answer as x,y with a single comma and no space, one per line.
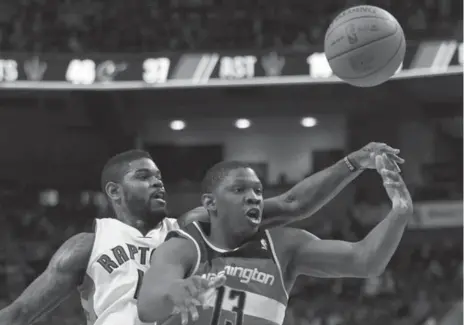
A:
253,270
108,264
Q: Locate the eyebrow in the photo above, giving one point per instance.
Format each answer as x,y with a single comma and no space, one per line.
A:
147,170
247,182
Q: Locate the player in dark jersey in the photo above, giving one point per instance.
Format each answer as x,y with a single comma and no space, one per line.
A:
240,274
133,185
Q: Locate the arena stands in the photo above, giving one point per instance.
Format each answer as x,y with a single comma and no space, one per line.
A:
147,25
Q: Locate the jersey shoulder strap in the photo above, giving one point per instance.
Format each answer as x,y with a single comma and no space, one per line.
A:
191,233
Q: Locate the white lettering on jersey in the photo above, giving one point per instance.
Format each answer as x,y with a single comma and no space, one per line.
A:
244,274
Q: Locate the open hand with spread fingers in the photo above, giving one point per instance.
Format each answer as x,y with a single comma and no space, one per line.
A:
189,293
364,158
394,185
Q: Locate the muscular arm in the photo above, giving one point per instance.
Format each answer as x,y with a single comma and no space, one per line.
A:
62,275
300,202
312,256
308,196
169,263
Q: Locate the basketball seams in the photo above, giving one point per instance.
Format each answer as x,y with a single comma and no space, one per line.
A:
380,68
331,29
368,43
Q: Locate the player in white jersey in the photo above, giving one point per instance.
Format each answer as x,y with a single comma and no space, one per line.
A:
108,264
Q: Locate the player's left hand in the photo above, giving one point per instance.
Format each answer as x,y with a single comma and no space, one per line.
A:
394,185
364,158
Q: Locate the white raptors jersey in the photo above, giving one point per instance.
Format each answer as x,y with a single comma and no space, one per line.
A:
119,259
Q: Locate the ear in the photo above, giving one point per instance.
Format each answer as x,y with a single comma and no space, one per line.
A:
113,190
208,201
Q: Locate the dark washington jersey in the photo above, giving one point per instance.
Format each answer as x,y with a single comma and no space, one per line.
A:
254,293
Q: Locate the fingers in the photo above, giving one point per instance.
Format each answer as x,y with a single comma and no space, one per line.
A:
193,312
380,164
392,184
395,158
194,292
391,154
217,282
183,311
389,164
384,148
391,177
386,163
201,284
389,174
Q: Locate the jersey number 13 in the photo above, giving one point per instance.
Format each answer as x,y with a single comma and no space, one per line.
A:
237,295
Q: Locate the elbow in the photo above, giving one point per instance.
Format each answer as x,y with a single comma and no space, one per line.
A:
373,271
368,264
295,208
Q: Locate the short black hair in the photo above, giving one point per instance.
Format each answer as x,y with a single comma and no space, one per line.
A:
115,168
216,174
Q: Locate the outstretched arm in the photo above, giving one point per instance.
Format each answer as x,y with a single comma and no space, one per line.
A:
368,257
315,191
308,196
62,275
169,263
336,258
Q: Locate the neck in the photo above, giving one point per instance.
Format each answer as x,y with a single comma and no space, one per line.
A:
133,221
224,238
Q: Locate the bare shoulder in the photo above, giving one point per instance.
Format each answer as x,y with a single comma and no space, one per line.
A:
287,241
197,214
74,254
289,238
175,249
175,257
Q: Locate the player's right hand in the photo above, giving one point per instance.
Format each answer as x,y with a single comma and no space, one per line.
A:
364,158
394,185
189,293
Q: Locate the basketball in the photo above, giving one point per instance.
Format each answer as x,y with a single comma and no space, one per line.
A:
364,46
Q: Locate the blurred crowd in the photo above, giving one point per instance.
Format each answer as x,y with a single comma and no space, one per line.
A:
421,284
148,25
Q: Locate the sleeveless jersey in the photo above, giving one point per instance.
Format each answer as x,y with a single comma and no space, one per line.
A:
254,292
119,258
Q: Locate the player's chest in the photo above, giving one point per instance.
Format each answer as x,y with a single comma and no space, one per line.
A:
241,272
125,255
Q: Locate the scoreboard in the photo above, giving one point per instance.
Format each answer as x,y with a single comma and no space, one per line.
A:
113,71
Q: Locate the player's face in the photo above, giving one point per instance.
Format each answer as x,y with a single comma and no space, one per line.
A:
239,200
143,190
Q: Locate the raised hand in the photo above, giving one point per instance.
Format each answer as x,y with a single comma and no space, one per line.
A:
364,158
394,185
189,293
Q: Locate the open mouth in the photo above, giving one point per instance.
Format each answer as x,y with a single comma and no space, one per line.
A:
254,215
159,197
